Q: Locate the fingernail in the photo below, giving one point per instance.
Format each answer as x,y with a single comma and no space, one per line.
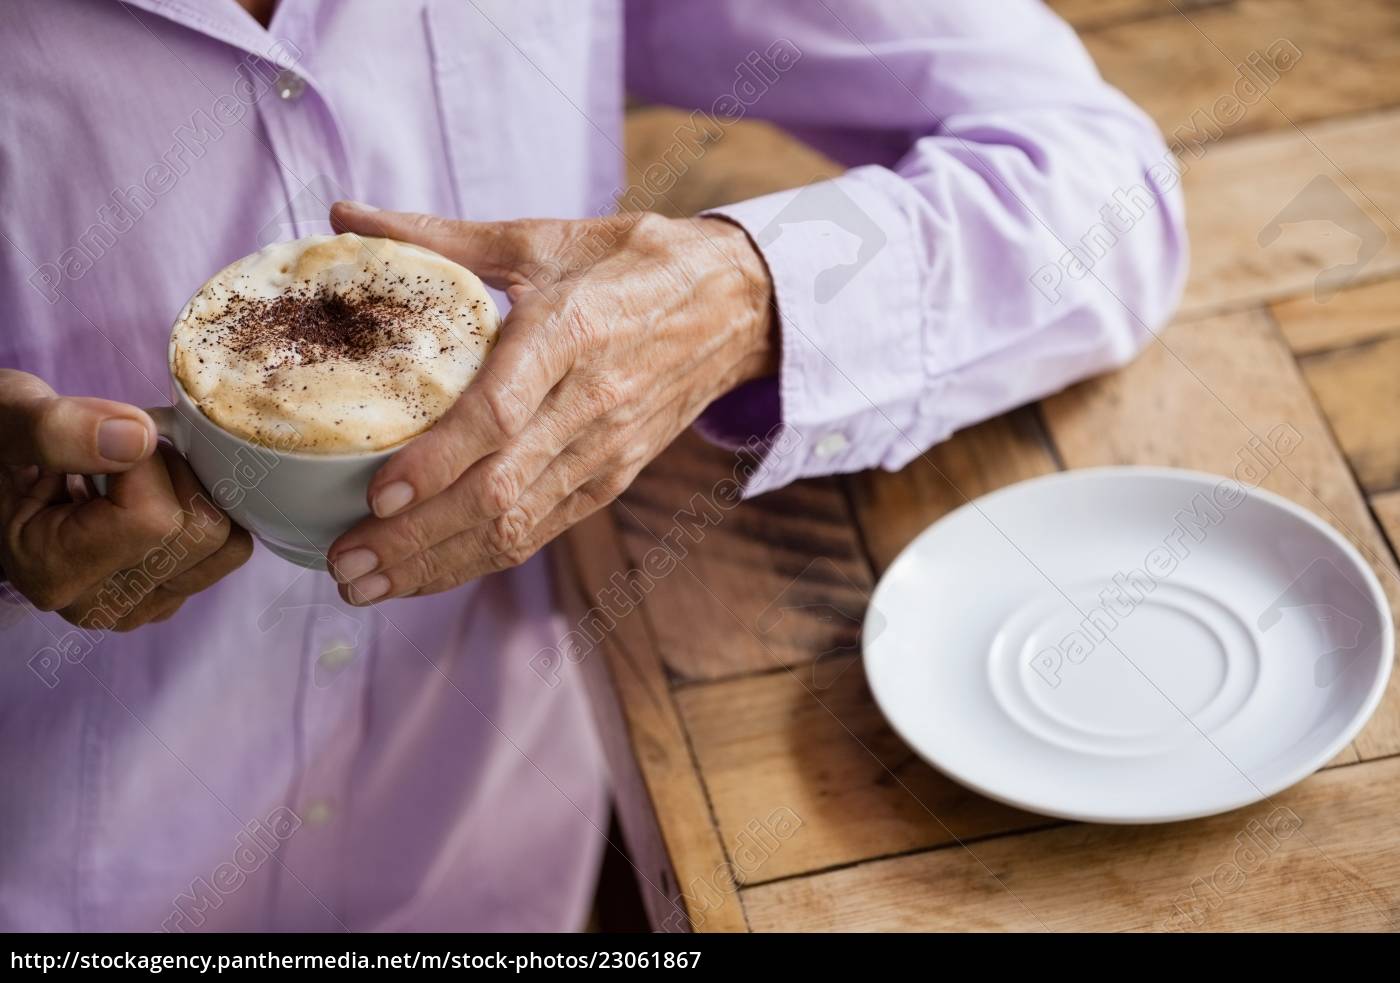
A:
369,589
392,498
121,440
353,565
359,206
78,489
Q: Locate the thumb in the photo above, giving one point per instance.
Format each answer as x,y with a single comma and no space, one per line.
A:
492,250
73,434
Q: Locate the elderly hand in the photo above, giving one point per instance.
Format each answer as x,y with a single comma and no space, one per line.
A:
114,562
622,330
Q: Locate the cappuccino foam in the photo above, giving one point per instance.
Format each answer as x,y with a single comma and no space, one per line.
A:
349,343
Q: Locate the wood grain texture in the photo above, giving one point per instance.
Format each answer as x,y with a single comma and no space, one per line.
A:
1364,313
1197,400
1234,191
1089,14
813,742
1387,509
893,508
779,580
1326,217
1338,869
734,688
1359,391
744,159
1179,64
683,873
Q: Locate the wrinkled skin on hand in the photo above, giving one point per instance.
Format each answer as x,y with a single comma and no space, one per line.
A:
622,330
115,562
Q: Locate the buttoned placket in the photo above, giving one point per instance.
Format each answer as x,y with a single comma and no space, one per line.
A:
336,647
308,145
300,128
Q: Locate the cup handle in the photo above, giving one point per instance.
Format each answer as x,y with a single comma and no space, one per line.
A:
164,419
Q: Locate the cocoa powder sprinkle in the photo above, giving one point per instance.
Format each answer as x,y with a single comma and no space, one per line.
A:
321,325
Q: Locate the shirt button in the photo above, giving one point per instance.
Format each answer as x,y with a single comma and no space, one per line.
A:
317,813
336,654
831,445
289,86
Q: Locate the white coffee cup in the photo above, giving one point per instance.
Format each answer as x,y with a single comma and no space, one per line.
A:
298,502
295,503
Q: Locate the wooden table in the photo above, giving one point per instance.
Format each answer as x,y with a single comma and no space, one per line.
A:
760,789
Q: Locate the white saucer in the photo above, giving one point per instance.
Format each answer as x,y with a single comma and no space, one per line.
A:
1236,659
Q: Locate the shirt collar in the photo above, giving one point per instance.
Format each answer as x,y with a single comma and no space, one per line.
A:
226,21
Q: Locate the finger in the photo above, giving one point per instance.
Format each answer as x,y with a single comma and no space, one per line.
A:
232,554
494,251
468,555
82,435
505,541
62,551
159,605
79,488
134,596
205,527
562,497
197,549
29,491
500,402
139,512
488,490
113,611
169,611
596,460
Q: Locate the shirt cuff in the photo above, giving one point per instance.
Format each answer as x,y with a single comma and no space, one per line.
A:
852,371
744,414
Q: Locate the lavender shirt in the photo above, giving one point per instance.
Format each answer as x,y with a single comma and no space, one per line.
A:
273,759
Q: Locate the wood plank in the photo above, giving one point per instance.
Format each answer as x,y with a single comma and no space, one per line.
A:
1325,855
779,580
750,158
1230,378
1233,192
893,508
748,576
1182,63
684,877
1239,188
1089,14
813,742
1364,313
1387,509
1359,391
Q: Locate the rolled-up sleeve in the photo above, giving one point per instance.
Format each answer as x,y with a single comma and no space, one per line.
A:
1010,222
